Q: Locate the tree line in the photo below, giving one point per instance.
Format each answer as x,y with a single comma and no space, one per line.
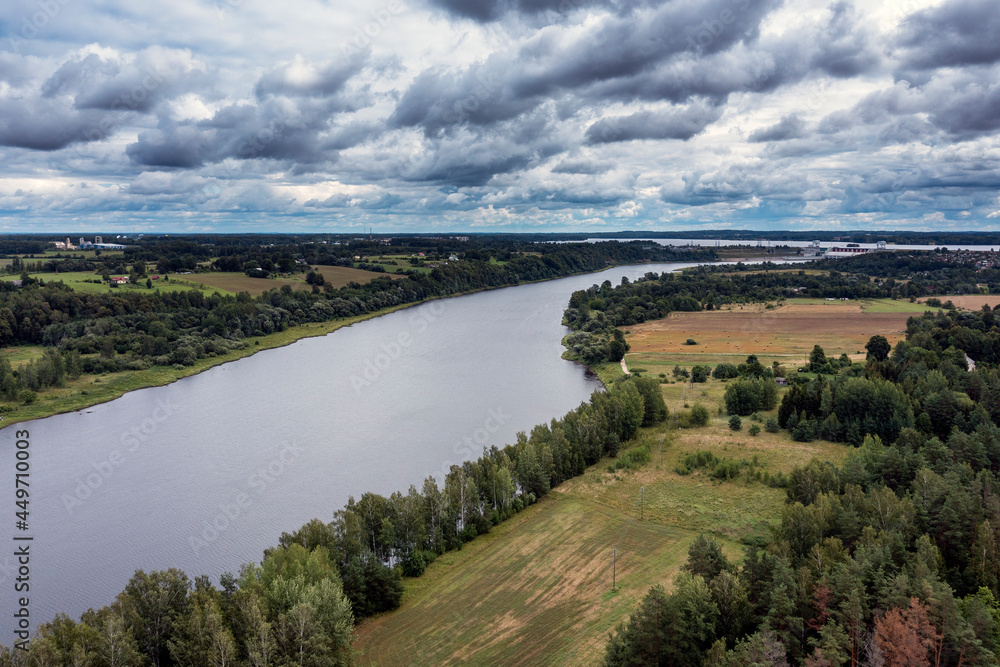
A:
136,330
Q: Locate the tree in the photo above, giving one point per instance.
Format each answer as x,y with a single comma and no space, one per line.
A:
153,603
668,630
878,348
699,374
735,423
746,396
817,358
705,558
905,636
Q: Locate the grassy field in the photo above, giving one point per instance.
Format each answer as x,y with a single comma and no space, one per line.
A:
208,283
537,590
232,283
970,301
339,276
81,282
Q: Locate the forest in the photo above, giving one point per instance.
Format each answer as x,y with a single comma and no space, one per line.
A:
888,559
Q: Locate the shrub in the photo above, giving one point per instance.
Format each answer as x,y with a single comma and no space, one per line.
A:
735,423
690,341
699,374
754,429
725,372
771,425
27,397
699,415
633,458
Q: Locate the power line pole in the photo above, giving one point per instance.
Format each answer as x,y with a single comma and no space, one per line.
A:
642,489
614,564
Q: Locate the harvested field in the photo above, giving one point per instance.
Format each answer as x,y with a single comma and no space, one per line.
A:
339,276
971,301
788,332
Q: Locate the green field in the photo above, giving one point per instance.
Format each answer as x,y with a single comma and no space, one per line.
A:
80,281
209,282
537,590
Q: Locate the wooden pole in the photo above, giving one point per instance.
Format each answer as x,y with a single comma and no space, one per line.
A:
614,559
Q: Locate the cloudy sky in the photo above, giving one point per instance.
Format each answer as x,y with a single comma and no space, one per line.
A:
518,115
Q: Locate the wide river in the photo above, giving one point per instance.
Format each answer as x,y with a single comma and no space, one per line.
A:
207,472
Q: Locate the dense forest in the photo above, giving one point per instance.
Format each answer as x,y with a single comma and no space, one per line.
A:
298,606
888,559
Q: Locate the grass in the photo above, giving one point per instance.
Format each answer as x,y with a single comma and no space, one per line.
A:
537,589
225,283
785,334
80,282
868,305
339,276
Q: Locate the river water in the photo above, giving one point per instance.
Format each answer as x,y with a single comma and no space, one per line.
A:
207,472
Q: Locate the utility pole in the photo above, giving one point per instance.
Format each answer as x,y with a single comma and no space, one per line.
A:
614,558
642,489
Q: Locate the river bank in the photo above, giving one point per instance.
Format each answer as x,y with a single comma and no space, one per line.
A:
89,390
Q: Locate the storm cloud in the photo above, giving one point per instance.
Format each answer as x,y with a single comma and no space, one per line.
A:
511,114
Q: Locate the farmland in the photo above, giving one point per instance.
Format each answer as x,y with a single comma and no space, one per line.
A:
785,334
233,283
537,589
224,283
83,281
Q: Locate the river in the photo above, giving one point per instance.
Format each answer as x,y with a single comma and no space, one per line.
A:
207,472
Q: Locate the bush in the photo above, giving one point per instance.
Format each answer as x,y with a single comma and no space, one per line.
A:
699,415
690,341
27,397
735,423
754,429
699,374
725,372
633,458
771,425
